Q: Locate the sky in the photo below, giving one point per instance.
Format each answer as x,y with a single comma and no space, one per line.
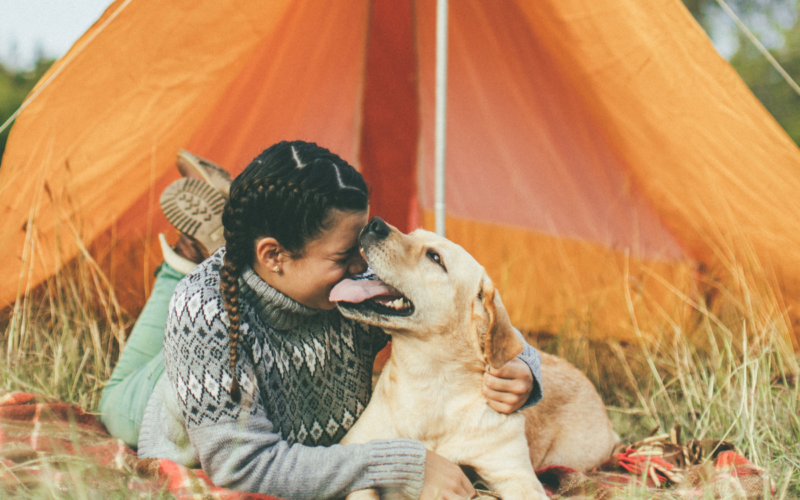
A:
29,28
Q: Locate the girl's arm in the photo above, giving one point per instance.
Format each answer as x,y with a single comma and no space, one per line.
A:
236,443
531,357
247,455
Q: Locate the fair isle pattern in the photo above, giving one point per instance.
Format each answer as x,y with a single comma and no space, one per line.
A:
309,372
318,377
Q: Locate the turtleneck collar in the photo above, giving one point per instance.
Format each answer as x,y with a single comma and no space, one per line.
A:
276,309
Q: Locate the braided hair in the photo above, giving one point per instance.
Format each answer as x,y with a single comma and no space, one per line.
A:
286,193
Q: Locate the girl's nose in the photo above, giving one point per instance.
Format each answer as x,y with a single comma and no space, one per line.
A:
358,265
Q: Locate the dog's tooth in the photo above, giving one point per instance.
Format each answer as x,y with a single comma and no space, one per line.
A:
398,304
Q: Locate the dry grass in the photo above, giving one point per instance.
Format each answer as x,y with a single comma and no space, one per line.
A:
726,371
63,339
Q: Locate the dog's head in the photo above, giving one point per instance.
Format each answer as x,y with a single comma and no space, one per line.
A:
429,288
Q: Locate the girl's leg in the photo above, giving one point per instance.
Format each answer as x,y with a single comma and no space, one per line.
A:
141,364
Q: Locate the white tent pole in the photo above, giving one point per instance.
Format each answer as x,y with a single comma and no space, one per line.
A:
441,114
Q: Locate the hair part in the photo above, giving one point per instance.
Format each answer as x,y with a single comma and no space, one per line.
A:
287,193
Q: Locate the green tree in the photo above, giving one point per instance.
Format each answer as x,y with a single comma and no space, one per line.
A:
771,21
768,85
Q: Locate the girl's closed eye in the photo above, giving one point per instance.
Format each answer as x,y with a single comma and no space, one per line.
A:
346,258
341,259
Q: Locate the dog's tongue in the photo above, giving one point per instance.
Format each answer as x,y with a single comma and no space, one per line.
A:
356,291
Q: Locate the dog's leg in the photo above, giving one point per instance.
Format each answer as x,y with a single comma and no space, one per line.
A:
374,423
364,495
509,472
371,425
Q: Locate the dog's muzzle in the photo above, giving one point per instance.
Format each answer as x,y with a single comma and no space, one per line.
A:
368,291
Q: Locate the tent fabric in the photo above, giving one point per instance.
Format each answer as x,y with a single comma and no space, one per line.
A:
592,146
555,284
522,143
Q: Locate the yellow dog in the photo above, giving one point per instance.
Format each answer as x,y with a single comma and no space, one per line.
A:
447,322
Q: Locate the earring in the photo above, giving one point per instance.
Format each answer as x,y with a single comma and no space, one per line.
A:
276,269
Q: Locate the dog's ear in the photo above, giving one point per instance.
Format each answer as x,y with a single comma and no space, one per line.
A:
499,340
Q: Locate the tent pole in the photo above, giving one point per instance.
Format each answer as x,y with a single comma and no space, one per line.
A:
441,114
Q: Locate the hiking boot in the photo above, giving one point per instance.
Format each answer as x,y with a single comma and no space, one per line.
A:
195,209
194,167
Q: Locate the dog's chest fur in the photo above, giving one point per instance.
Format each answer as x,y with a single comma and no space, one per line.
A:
442,406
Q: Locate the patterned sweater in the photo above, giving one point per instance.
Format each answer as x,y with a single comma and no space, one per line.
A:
305,376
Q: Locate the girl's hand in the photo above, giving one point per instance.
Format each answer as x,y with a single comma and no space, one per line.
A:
508,388
444,480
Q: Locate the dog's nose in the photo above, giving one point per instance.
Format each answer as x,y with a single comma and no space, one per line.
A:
378,228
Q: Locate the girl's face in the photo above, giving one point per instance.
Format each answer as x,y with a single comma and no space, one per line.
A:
326,260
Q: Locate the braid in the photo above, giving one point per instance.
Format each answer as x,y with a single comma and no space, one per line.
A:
229,286
237,255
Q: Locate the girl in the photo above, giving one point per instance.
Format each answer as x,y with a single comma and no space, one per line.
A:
260,376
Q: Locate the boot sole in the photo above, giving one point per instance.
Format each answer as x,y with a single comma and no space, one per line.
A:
195,209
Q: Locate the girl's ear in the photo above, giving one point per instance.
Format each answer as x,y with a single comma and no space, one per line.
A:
269,253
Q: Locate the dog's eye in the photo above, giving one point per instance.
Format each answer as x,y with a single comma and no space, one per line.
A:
436,258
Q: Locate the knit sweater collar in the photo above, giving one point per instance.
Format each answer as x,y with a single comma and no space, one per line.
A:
275,309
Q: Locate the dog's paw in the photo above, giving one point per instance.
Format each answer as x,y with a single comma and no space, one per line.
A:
370,494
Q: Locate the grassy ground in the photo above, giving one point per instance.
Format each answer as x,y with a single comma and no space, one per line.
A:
725,371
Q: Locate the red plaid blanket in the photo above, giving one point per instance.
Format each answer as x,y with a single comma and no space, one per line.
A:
49,444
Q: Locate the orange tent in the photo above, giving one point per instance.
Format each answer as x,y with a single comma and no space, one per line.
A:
597,151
